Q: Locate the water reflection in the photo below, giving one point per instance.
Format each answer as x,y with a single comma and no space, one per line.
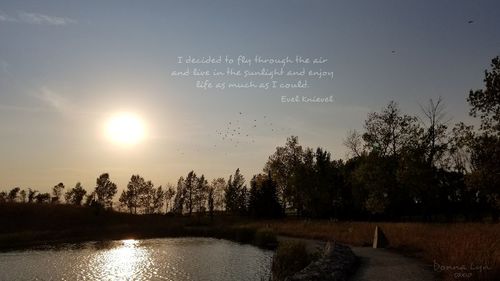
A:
179,259
127,261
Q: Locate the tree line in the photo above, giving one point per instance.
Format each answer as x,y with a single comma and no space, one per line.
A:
400,166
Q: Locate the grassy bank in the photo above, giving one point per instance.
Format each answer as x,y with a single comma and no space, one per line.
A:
456,251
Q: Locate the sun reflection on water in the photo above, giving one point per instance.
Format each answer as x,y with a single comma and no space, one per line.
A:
127,261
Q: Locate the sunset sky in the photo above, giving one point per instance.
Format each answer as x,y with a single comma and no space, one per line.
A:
66,68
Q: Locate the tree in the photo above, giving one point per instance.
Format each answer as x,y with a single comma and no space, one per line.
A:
75,195
105,190
22,196
218,185
390,132
158,200
3,197
169,194
263,197
354,143
31,195
189,189
485,103
42,198
435,137
284,165
180,196
146,196
485,148
235,194
140,194
210,200
57,192
12,195
200,196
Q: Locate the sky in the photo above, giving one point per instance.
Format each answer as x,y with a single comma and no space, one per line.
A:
67,67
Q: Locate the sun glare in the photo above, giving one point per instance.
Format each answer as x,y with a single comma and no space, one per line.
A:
125,129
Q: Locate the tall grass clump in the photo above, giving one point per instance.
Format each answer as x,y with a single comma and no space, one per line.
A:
290,258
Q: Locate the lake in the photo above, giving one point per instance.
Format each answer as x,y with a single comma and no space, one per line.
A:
176,259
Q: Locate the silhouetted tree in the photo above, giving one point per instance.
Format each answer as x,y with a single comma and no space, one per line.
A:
75,195
42,198
180,196
263,197
105,190
284,165
158,200
12,195
57,192
235,193
485,149
190,191
210,200
354,143
200,194
218,185
31,195
435,138
485,103
390,132
22,196
169,194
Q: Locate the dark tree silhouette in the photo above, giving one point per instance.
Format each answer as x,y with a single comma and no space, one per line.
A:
57,191
180,197
485,146
190,190
235,195
31,195
105,190
75,195
12,195
263,197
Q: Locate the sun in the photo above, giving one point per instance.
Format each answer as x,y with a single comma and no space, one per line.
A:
125,129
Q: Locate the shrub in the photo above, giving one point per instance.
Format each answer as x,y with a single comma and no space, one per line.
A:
290,258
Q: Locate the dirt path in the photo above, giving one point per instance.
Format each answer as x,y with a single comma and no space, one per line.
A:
384,265
378,264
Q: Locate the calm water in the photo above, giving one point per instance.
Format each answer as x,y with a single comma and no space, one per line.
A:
176,259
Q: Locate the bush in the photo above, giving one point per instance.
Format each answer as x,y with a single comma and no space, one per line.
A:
290,258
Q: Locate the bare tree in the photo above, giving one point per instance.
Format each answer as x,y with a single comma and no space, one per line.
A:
354,142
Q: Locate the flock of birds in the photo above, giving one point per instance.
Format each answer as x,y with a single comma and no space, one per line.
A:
244,129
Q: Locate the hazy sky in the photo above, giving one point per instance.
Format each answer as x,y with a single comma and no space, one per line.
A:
67,66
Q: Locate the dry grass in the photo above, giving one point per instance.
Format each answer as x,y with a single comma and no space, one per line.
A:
458,251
